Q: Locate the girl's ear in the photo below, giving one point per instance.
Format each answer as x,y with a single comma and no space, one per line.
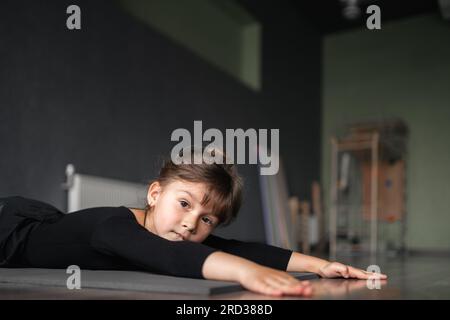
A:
153,193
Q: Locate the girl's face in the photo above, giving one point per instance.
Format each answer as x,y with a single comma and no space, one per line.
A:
177,214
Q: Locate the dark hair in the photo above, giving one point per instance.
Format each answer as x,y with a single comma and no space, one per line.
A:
224,184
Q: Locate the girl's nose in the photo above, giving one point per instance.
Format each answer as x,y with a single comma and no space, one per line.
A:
188,227
189,224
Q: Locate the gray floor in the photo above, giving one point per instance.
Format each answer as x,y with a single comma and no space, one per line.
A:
415,277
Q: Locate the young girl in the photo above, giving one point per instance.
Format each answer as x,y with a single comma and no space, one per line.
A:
171,235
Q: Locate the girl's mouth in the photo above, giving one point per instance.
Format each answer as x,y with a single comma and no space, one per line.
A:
178,235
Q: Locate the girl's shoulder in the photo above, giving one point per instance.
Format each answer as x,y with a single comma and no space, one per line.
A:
101,213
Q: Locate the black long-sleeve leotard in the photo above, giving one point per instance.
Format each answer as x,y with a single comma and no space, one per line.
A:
110,238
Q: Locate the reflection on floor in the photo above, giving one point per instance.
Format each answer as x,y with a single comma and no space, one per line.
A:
413,277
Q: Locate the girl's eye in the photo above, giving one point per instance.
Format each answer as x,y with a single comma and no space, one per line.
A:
184,204
207,220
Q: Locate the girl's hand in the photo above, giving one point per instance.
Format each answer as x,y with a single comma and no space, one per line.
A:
273,282
337,270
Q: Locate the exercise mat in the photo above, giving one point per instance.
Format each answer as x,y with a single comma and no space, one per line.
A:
123,280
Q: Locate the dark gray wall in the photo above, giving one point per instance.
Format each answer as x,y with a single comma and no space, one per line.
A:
106,98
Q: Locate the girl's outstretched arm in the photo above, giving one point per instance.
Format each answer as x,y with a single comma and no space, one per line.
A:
300,263
303,263
252,276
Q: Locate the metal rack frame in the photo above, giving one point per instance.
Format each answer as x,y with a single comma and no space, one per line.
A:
367,142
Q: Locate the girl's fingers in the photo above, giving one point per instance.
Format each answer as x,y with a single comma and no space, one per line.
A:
307,291
293,288
349,272
289,280
343,270
266,288
361,274
282,284
293,281
374,275
286,279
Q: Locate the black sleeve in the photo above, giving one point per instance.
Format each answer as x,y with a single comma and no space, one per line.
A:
267,255
123,237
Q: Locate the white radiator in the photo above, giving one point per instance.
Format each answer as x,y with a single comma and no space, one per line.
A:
86,191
